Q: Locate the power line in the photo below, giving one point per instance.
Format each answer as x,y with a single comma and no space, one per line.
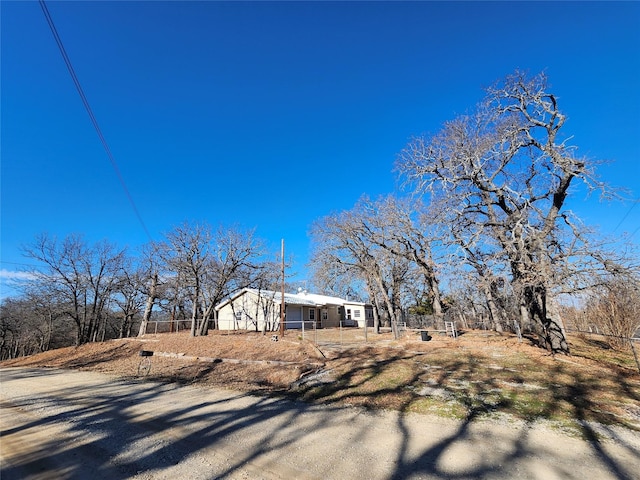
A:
20,264
72,72
627,214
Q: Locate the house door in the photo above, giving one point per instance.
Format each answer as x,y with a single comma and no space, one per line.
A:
294,317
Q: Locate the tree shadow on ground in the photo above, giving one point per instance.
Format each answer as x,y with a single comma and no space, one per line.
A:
112,411
127,414
481,396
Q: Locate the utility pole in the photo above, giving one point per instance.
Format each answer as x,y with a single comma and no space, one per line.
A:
282,294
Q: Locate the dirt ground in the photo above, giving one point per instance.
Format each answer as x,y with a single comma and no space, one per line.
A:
251,361
68,424
185,359
241,358
531,404
478,373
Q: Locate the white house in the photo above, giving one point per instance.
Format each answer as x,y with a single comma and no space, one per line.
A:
251,309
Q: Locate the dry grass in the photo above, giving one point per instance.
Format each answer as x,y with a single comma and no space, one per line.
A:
478,374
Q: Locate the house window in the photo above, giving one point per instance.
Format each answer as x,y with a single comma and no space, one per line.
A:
312,314
369,313
325,315
348,314
356,313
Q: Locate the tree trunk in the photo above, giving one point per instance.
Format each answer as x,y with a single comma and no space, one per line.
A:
555,334
543,311
194,311
375,305
49,331
389,304
194,316
437,302
204,326
494,315
376,319
79,330
173,318
149,306
524,316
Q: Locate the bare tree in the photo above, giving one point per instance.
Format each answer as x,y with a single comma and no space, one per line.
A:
233,265
147,278
129,297
47,317
211,265
333,278
102,267
614,309
64,277
18,337
344,245
169,290
504,172
487,272
186,253
81,277
403,228
32,323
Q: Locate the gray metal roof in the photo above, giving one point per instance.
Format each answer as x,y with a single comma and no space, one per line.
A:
302,298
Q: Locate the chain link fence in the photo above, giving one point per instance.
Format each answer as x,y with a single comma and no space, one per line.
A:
352,335
604,341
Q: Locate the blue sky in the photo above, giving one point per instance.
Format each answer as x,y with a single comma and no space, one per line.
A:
272,115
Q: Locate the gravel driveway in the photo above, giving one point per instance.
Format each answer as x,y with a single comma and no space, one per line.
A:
69,424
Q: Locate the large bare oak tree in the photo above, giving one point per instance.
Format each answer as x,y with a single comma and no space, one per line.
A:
502,175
